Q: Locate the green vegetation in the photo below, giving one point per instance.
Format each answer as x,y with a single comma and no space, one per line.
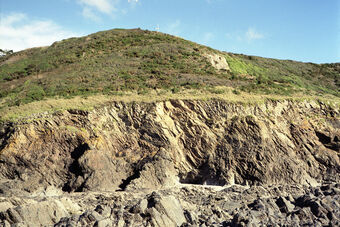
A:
285,77
116,62
106,62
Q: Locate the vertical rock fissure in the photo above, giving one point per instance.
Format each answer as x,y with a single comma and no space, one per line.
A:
75,169
127,181
135,174
6,131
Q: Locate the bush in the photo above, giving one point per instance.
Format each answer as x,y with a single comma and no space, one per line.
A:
236,92
35,93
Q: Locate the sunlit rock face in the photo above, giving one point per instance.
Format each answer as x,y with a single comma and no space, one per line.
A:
181,149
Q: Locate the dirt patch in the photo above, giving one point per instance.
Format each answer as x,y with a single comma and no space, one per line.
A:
12,59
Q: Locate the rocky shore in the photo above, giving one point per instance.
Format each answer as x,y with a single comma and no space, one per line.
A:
183,205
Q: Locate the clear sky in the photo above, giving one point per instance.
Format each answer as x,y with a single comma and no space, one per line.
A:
304,30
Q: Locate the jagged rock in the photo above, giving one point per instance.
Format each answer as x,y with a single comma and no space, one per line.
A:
159,172
188,205
141,207
104,223
153,145
6,224
5,205
104,211
13,216
43,214
210,163
40,212
165,210
284,205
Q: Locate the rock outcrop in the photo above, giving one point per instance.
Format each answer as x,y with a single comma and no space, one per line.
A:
185,205
138,148
218,62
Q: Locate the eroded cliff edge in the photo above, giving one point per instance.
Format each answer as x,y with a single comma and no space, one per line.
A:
126,146
173,163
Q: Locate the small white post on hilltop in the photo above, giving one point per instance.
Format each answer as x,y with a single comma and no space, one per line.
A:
157,28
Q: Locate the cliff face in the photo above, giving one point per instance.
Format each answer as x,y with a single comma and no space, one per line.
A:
126,146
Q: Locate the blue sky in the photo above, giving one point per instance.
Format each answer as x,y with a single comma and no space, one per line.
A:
304,30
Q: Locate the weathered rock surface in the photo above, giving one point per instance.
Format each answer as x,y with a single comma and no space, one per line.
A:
218,62
283,150
183,205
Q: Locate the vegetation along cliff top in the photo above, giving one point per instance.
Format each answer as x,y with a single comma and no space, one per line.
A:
139,65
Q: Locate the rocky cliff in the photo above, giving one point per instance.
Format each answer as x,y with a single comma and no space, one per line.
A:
176,148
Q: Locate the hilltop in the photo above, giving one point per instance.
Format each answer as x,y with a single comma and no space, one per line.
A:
120,62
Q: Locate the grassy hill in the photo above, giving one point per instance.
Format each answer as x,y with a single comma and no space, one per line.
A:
119,61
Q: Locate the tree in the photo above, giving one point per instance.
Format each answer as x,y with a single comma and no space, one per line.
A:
5,52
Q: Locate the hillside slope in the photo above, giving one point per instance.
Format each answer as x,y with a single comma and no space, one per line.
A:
115,61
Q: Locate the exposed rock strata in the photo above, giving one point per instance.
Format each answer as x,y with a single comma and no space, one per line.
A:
154,146
197,142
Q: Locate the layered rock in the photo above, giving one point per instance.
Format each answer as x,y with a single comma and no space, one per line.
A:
199,142
158,146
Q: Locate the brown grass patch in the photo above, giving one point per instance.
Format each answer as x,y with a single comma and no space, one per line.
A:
88,103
